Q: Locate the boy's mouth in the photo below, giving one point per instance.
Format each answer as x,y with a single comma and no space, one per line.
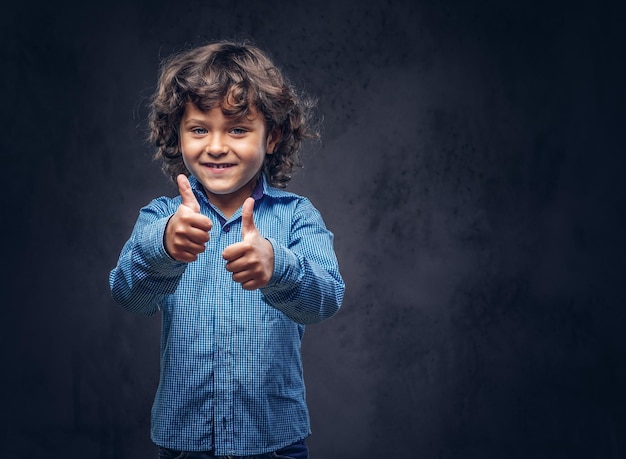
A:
219,165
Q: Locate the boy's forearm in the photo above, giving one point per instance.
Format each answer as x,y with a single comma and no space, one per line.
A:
303,289
145,272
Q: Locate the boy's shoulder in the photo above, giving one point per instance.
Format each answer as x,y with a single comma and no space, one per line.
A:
163,205
275,198
279,193
283,197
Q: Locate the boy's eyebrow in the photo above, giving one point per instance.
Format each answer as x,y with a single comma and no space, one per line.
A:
194,121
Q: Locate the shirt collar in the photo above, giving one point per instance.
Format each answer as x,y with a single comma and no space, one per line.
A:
259,188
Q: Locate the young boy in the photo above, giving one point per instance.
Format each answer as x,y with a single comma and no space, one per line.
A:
236,265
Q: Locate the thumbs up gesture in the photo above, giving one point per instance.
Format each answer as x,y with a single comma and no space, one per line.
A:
187,231
252,260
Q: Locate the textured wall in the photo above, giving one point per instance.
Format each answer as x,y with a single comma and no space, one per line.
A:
471,172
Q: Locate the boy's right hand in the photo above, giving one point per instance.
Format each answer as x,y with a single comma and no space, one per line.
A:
187,231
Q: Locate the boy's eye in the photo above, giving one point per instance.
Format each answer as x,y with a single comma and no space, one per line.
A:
198,130
238,131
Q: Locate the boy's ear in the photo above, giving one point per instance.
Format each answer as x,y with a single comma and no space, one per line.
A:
272,139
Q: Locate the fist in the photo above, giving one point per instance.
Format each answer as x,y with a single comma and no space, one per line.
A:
187,231
252,260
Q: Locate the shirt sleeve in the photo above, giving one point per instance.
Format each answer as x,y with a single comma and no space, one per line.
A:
306,284
145,273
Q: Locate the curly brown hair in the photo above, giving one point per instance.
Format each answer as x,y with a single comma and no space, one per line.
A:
238,77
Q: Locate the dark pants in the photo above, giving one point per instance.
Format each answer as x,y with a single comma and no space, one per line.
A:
296,451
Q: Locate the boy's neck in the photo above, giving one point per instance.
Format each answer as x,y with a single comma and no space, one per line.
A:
229,203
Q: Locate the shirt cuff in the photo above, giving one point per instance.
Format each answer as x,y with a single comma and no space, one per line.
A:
152,246
286,266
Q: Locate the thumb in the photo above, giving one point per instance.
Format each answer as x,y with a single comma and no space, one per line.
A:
247,217
184,188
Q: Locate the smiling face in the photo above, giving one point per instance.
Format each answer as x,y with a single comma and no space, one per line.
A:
225,154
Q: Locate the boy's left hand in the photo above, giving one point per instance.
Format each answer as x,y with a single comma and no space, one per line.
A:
252,260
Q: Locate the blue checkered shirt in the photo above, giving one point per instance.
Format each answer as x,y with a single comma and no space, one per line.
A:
231,373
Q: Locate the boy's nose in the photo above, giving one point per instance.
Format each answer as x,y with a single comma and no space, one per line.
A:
216,146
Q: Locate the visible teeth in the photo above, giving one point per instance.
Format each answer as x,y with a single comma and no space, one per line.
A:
220,166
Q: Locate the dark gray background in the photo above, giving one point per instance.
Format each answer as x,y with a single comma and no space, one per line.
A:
471,169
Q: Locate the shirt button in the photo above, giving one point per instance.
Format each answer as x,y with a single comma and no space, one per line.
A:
226,229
